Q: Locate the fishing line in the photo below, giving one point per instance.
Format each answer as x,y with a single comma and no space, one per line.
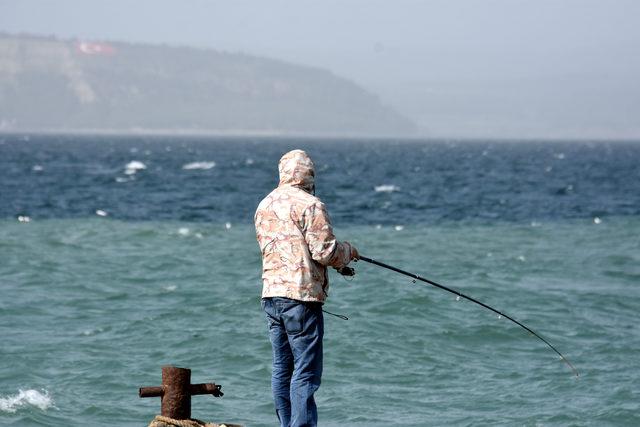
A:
345,272
339,316
460,294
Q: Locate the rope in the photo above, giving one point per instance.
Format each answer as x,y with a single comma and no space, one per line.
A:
160,421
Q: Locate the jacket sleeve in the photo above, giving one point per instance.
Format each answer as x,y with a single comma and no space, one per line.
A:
318,233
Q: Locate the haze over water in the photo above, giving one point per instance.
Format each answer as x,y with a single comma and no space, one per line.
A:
122,254
457,68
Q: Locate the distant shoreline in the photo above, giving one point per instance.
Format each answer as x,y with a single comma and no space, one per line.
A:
272,134
201,133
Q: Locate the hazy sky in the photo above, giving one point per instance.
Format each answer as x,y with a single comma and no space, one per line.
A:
473,68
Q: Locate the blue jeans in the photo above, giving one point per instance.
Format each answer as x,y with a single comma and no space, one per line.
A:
295,330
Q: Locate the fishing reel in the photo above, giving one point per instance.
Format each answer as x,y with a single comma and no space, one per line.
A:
346,271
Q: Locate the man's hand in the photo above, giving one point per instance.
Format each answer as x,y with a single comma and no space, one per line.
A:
346,271
354,255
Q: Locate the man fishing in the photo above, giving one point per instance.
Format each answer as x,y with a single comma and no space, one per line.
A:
297,244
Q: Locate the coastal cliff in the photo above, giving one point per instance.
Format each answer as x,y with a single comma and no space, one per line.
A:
73,85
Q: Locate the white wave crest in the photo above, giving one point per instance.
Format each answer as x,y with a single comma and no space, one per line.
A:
199,165
134,166
25,398
386,188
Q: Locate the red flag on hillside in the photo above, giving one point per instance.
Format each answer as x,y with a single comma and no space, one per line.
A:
90,48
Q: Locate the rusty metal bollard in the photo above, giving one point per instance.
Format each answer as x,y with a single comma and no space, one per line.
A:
176,391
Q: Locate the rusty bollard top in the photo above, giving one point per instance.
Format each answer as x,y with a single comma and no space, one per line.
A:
176,391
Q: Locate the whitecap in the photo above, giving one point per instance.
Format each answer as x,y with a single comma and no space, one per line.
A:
91,332
227,225
100,212
399,227
170,288
37,168
24,218
199,165
559,156
249,161
597,220
386,188
134,166
35,398
183,231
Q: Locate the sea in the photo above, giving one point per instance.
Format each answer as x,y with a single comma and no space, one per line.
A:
123,254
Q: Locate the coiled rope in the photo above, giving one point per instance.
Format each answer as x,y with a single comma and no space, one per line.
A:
160,421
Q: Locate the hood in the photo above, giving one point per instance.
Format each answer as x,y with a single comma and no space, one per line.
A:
296,169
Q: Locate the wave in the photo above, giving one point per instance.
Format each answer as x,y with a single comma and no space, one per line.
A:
26,398
134,166
386,188
199,165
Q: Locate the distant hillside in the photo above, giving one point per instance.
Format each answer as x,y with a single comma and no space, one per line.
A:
49,84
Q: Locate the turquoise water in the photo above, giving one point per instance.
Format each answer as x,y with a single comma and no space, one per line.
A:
91,308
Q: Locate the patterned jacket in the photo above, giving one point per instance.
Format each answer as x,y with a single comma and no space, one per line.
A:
295,235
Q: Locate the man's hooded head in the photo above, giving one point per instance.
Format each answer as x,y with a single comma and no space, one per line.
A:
296,169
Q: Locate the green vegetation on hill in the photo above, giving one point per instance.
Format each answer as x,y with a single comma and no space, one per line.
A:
50,84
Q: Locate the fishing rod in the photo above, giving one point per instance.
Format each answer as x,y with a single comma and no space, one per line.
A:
460,294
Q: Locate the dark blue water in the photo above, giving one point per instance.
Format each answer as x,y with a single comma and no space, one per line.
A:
417,182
